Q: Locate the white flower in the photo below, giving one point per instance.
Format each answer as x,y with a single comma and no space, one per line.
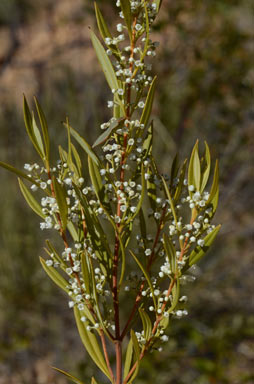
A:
141,104
191,188
119,27
102,172
138,27
148,252
49,263
110,104
164,338
131,141
34,187
43,185
201,242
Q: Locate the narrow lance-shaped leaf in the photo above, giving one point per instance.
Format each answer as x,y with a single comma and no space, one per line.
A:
55,276
44,127
136,353
145,273
171,253
103,28
206,171
139,205
149,103
61,195
108,132
38,137
194,171
31,200
77,159
128,359
147,325
85,273
30,128
106,65
199,252
69,376
82,142
91,344
170,201
19,173
126,9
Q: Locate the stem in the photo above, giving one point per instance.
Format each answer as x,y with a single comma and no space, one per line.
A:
104,346
118,350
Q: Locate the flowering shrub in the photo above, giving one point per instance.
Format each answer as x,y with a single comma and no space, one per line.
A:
103,222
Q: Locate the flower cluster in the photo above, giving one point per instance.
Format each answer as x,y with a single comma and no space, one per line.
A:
103,219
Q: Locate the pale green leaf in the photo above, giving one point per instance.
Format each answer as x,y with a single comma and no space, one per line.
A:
69,376
30,128
148,104
206,171
108,132
18,173
126,9
31,200
128,359
147,325
171,253
194,171
87,148
145,273
91,344
61,196
55,276
44,128
199,252
103,28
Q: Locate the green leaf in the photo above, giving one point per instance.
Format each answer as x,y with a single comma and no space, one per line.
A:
139,205
215,186
128,359
199,252
108,132
158,3
61,195
87,148
54,252
180,184
172,206
37,136
149,103
96,179
18,173
44,128
31,200
106,65
73,232
69,376
55,276
93,381
91,344
126,9
77,159
103,28
85,273
171,253
148,142
30,129
175,295
147,325
206,172
145,273
194,171
136,353
174,169
142,224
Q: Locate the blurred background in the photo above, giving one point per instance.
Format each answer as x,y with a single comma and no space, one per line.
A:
205,67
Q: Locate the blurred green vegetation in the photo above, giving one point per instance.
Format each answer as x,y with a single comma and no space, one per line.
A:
205,90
